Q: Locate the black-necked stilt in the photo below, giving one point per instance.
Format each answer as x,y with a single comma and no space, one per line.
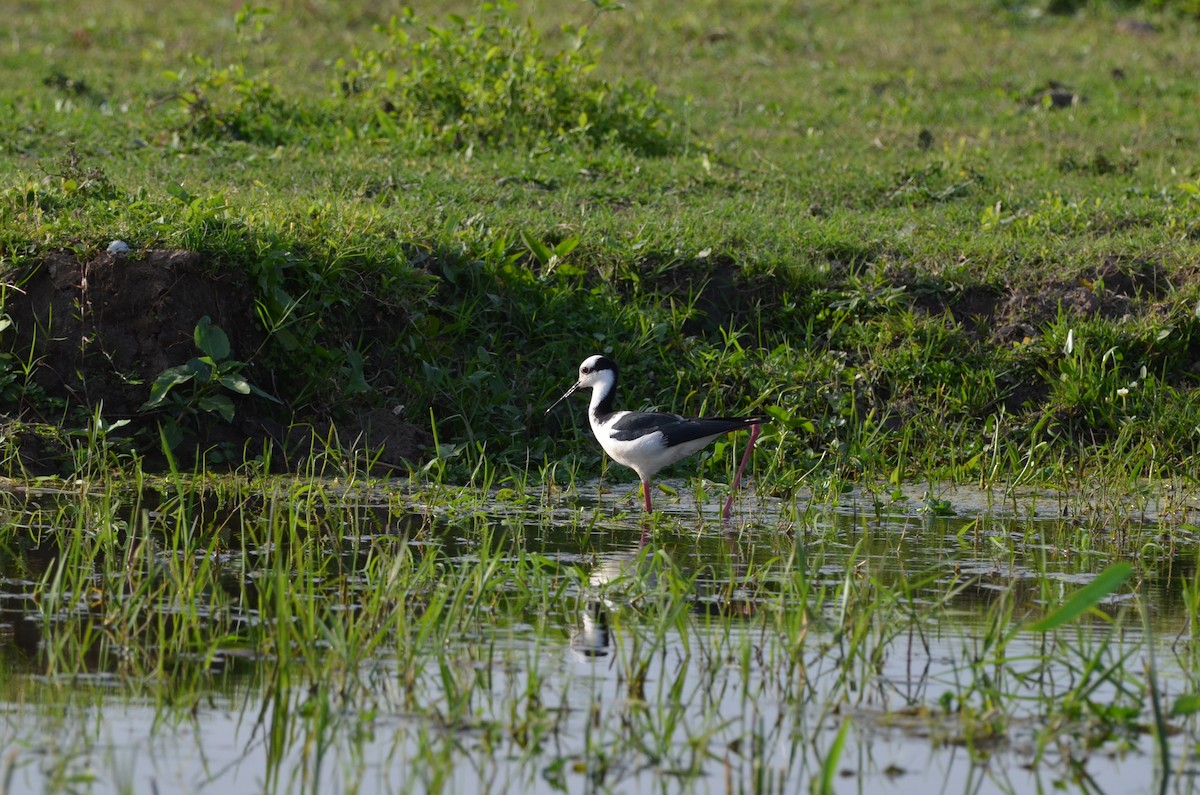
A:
648,441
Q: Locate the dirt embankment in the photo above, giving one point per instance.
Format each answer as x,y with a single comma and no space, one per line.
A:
98,334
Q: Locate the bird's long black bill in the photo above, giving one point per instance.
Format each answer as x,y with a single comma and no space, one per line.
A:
566,395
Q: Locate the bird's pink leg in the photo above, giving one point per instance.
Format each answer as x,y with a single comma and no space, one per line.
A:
646,518
755,430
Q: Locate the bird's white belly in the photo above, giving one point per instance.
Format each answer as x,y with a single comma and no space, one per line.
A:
646,454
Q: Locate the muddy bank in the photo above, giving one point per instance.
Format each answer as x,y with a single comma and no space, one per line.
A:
95,335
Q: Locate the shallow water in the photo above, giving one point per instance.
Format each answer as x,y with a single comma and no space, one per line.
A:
737,689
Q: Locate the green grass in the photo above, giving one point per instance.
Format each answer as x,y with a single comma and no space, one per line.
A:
885,243
873,222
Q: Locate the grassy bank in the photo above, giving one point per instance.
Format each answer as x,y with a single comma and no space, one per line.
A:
935,240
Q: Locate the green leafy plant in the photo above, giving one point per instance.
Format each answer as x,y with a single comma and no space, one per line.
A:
1098,391
228,101
488,79
211,378
552,257
95,449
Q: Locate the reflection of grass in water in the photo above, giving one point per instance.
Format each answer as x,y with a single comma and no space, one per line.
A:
349,618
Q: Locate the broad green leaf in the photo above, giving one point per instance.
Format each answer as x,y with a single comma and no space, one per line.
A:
539,250
567,246
172,434
235,383
217,404
202,368
1187,704
180,193
287,339
255,390
167,379
211,339
354,365
1086,597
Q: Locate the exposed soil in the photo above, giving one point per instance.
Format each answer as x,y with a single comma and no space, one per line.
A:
100,332
103,330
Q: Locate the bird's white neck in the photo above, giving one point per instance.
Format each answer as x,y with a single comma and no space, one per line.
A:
603,393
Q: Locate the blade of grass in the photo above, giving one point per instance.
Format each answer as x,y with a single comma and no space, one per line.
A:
1085,598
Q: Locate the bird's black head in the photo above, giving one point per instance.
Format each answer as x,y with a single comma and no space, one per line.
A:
594,364
596,372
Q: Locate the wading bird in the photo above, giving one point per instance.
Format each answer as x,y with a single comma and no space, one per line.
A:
648,441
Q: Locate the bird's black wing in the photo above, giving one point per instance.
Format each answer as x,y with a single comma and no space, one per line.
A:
637,424
676,429
689,430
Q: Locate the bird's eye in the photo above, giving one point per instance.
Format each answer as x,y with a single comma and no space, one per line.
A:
585,370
